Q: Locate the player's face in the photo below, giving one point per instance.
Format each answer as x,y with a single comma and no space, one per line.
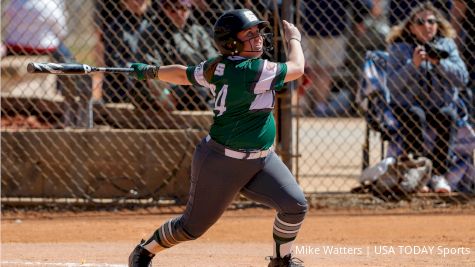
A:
253,42
424,26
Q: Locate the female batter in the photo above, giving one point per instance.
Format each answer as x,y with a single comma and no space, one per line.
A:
237,155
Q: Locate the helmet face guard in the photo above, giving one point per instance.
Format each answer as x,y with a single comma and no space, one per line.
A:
266,45
230,23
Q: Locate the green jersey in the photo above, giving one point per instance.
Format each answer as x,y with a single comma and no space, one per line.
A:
244,92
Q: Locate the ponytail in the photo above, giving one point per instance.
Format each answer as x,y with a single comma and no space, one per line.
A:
210,67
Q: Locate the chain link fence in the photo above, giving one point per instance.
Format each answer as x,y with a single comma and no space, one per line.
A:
106,138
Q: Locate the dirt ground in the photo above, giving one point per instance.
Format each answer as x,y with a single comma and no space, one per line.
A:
240,238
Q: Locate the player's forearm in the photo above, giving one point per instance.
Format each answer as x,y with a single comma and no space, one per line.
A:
175,74
296,56
296,60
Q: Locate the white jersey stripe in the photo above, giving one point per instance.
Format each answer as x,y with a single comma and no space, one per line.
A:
199,75
263,101
269,71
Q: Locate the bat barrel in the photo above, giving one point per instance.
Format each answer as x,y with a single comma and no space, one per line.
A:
68,68
58,68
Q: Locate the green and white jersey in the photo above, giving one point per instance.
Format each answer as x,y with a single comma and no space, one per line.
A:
244,91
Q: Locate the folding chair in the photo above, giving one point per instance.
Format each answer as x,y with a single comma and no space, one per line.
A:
373,98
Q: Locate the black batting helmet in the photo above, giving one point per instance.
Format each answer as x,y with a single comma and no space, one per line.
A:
229,24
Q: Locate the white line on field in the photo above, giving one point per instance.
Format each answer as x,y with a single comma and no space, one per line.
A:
69,264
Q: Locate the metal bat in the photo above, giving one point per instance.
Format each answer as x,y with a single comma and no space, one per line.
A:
68,68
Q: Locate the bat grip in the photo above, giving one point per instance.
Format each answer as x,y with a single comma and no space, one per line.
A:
112,70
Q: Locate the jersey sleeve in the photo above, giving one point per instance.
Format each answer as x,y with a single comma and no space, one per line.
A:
271,76
196,74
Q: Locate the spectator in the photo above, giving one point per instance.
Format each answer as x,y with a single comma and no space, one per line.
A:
468,25
463,17
399,9
458,15
206,12
119,26
326,24
172,37
38,27
424,85
3,50
373,38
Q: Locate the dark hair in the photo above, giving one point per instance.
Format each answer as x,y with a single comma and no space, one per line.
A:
209,70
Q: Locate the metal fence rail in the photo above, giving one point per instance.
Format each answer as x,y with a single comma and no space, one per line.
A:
111,139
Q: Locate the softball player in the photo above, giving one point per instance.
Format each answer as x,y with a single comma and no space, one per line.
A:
237,155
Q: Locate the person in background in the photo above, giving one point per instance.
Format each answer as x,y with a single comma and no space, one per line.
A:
326,25
206,13
425,73
38,27
372,38
173,37
463,15
399,9
119,27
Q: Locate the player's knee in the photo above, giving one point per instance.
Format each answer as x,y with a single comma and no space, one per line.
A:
297,206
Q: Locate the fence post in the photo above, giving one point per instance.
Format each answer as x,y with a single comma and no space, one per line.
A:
285,98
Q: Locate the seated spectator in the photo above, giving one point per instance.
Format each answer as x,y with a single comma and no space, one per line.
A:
119,26
468,46
463,20
373,97
425,72
207,12
173,38
38,27
372,38
326,26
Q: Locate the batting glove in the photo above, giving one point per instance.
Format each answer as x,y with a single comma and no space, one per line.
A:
144,71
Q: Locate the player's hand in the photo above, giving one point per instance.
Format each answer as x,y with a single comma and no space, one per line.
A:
291,32
144,71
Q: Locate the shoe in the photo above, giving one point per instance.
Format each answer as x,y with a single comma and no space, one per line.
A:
424,189
440,184
286,261
140,257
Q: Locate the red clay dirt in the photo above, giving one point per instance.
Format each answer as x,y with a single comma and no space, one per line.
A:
240,238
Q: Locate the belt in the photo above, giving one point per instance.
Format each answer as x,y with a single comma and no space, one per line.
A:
239,154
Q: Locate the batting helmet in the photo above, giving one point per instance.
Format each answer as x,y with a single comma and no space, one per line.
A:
229,24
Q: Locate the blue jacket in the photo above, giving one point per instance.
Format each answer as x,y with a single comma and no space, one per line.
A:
411,86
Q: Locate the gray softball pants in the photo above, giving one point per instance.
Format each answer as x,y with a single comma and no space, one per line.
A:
216,179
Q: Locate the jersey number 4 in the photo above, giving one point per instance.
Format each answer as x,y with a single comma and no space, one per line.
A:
220,103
